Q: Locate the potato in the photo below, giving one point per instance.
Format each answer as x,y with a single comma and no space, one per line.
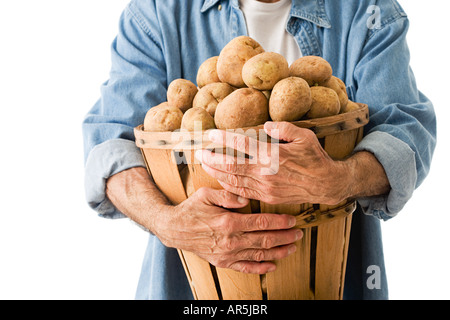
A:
207,73
233,57
163,118
210,95
351,106
325,103
290,99
181,93
264,70
339,86
197,119
315,70
243,108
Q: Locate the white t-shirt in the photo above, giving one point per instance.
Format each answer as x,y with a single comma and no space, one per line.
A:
266,23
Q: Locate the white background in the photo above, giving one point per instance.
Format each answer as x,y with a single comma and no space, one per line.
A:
54,56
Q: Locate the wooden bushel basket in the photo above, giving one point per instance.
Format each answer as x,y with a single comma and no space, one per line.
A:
317,269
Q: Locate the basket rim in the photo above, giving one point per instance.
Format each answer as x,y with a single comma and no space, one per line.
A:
189,140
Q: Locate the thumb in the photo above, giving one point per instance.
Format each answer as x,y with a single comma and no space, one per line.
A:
285,131
221,198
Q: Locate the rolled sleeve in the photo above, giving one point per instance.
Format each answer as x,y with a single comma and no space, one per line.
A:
398,161
104,161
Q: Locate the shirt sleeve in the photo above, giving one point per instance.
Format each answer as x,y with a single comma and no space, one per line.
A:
137,82
402,129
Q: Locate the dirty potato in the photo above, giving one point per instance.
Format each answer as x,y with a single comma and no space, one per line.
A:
339,86
181,93
325,103
315,70
233,57
197,119
163,118
207,73
290,100
245,107
264,70
210,95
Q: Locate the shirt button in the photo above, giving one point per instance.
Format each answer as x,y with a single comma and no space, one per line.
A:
219,7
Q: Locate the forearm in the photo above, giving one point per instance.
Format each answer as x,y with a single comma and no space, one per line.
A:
134,193
366,175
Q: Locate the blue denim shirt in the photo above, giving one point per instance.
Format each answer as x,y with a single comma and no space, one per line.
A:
364,41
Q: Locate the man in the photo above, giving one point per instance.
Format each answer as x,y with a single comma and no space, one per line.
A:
364,41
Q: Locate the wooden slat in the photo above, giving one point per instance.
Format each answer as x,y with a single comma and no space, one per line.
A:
164,170
330,254
329,260
233,285
290,281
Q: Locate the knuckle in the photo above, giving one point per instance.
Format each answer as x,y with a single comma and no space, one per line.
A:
259,256
262,222
230,167
202,193
232,180
244,268
267,242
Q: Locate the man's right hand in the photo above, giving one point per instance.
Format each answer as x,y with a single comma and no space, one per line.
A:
242,242
202,224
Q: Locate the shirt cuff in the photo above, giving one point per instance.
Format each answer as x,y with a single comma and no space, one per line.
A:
104,161
398,161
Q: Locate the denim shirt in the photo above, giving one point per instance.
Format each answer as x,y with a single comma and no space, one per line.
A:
364,41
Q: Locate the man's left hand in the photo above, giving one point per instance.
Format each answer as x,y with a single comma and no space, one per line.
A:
304,173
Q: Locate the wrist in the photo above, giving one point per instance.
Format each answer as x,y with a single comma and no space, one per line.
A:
366,176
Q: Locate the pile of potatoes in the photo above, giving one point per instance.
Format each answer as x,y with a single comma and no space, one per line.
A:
246,86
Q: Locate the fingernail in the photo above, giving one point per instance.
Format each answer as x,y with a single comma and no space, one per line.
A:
292,222
292,249
241,200
269,125
298,234
215,136
272,268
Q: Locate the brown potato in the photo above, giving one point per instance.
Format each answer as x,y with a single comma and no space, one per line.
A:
290,99
163,118
210,95
233,57
207,73
315,70
325,103
197,119
264,70
339,86
351,106
243,108
181,93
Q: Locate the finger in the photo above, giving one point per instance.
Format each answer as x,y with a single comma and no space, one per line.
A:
231,179
267,255
286,131
245,192
221,198
270,239
253,267
265,222
226,163
239,142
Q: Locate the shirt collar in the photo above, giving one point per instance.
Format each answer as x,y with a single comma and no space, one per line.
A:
311,10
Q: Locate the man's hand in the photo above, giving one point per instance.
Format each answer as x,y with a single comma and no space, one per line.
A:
242,242
203,224
305,173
